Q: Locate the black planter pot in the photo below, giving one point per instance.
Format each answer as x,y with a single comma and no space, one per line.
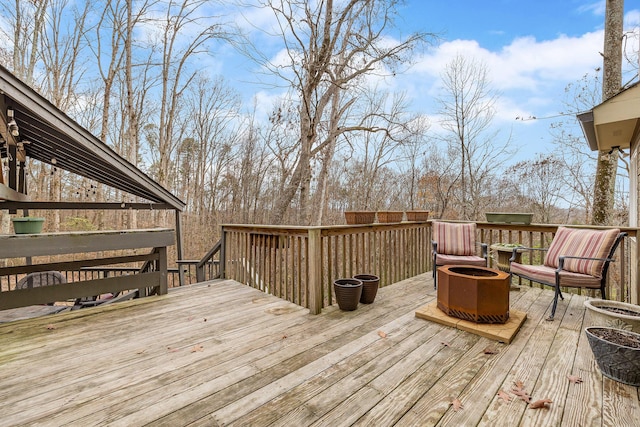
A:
369,287
616,361
348,292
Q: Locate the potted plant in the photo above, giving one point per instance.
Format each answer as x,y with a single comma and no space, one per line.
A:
348,293
613,314
27,225
369,287
617,353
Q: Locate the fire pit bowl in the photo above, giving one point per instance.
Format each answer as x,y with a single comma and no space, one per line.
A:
477,294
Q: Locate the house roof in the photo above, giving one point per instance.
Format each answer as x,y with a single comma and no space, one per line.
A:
56,139
615,122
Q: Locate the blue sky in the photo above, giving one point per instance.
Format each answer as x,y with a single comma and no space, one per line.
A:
532,49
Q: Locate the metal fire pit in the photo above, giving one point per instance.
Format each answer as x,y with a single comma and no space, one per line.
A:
478,294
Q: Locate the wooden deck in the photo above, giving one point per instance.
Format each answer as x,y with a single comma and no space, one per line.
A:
220,353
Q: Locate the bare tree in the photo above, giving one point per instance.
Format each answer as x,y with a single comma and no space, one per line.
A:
330,46
468,109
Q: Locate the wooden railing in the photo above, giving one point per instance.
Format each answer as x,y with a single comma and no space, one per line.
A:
152,278
299,264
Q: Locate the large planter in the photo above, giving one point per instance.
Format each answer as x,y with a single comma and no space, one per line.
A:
417,215
504,252
390,216
617,353
509,217
370,285
27,225
348,293
613,314
359,217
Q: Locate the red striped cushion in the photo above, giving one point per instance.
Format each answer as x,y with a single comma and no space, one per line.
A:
581,243
454,238
545,274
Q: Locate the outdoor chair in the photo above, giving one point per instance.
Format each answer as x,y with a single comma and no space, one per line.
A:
576,258
455,244
41,278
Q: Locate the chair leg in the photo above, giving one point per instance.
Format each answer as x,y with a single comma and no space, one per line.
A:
554,306
435,276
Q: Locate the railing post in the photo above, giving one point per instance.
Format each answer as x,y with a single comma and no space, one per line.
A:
314,263
223,255
162,268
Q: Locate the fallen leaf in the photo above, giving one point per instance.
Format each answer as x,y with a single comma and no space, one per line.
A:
522,394
141,351
284,337
197,347
51,327
519,385
446,344
542,403
574,379
504,396
382,334
490,350
457,405
172,350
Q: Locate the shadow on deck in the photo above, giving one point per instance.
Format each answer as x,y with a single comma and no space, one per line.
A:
221,353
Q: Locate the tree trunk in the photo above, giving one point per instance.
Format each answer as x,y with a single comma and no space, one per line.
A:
607,165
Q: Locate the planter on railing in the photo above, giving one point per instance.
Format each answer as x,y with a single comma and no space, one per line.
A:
359,217
417,215
509,217
27,225
390,216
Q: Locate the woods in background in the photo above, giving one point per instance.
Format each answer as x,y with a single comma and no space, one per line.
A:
335,140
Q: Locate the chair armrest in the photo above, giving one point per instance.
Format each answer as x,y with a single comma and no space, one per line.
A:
562,258
524,248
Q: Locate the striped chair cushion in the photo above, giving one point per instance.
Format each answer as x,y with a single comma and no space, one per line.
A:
545,274
581,243
460,259
455,239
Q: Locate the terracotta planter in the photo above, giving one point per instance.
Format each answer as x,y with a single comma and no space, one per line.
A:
390,216
359,217
417,215
348,293
370,285
620,314
616,361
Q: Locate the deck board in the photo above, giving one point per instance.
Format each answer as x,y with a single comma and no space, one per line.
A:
220,353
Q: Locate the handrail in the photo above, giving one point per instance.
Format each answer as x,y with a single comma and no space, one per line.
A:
200,276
